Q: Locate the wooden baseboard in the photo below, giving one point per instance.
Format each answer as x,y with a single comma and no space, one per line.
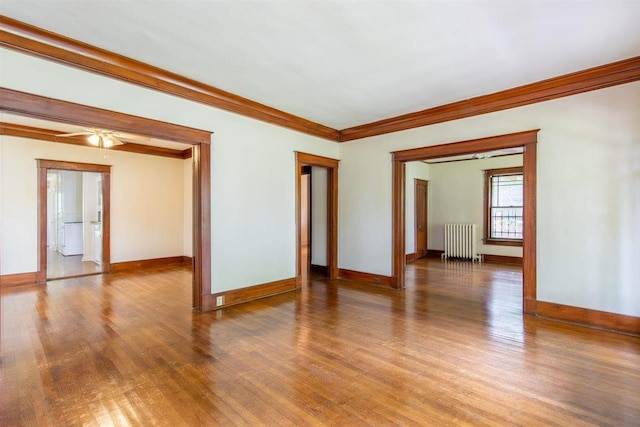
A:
358,276
434,253
588,317
320,269
238,296
9,280
147,263
410,257
502,259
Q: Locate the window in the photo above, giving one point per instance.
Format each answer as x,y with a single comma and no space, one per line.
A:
504,206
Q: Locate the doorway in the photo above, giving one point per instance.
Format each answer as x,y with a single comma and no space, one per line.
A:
53,109
421,198
74,213
74,223
326,171
528,141
306,221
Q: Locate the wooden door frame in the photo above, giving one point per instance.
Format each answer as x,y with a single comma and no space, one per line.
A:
426,213
21,103
305,159
528,140
43,167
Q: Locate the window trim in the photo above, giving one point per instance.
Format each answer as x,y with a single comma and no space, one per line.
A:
488,174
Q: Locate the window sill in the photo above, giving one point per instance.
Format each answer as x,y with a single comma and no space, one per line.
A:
502,242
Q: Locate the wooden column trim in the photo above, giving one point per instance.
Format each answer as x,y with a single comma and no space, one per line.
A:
399,223
34,41
202,227
529,241
41,274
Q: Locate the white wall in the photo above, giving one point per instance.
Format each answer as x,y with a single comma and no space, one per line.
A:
319,208
456,195
588,218
146,207
91,189
188,208
413,171
253,165
305,198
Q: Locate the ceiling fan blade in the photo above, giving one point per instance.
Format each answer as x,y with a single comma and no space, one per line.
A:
133,137
76,134
116,141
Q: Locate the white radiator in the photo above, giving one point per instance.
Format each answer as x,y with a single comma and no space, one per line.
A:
460,242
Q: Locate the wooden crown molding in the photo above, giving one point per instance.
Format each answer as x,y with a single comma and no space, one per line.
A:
50,135
600,77
41,107
35,41
31,40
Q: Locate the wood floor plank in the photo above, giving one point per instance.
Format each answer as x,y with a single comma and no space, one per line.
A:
451,349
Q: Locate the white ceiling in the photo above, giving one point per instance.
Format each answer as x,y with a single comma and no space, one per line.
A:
348,63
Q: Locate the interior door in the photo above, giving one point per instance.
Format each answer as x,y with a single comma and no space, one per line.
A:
421,217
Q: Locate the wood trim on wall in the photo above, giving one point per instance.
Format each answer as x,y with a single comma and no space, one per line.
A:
305,159
411,257
528,140
34,41
45,165
600,77
147,263
434,253
361,277
202,227
82,115
19,279
56,110
242,295
501,259
530,235
588,317
50,135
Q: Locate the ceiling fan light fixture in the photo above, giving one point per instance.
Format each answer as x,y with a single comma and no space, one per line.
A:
94,139
107,142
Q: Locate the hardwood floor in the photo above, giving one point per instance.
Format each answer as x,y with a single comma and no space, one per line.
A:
126,349
67,266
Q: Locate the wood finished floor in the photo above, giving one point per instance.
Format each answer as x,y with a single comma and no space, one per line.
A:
59,265
453,349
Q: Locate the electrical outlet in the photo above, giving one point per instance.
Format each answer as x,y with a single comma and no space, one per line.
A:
219,301
376,280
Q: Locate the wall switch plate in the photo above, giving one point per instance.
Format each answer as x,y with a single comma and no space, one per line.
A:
219,301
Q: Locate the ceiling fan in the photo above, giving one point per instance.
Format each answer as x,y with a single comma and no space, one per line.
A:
104,138
99,137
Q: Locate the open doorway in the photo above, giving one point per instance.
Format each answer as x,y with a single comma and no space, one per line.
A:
74,223
316,179
74,212
527,140
39,107
473,210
